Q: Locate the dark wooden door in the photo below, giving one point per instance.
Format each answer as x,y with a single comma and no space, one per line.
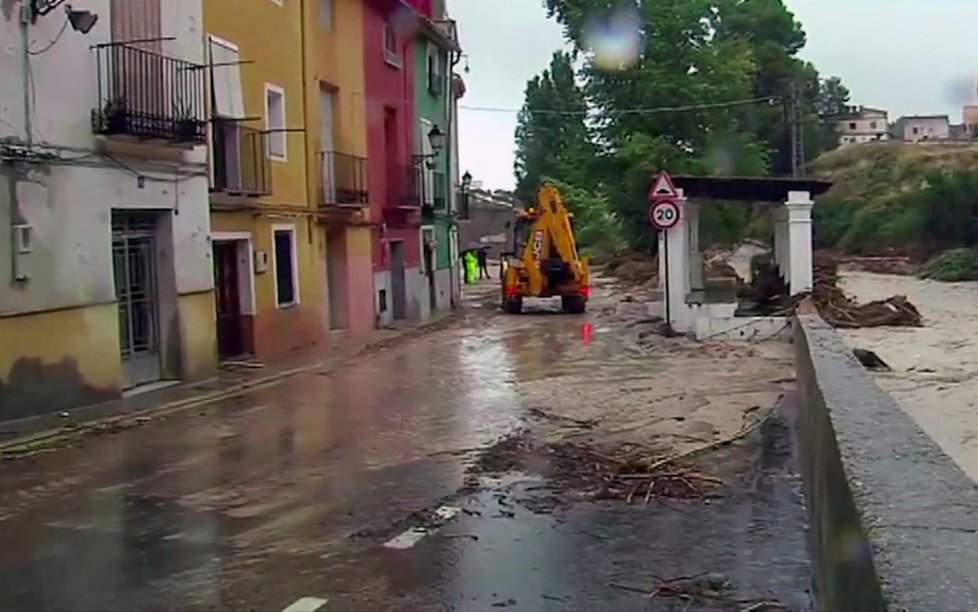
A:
229,339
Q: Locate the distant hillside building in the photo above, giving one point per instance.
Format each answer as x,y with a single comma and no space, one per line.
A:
970,116
862,124
916,128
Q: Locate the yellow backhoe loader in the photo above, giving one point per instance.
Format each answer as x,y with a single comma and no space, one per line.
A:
544,262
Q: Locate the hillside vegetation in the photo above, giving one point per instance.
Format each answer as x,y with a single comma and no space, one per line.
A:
916,200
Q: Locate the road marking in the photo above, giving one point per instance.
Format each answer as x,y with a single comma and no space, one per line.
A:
306,604
412,536
407,539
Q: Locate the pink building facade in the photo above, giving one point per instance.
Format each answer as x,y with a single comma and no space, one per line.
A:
395,203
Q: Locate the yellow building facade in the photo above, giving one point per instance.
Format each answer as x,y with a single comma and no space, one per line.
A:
269,273
336,149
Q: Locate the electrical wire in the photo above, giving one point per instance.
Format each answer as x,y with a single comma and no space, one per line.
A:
50,44
176,177
626,111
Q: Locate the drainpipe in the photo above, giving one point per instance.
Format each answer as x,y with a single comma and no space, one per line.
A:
303,24
449,103
25,20
456,57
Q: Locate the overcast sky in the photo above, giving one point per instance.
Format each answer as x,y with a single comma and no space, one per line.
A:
907,56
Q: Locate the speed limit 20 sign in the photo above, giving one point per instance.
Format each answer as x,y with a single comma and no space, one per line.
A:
664,214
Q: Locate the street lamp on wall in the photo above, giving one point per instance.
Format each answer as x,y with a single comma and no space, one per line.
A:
81,21
437,139
466,188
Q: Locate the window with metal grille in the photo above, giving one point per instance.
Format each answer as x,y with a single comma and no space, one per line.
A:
286,278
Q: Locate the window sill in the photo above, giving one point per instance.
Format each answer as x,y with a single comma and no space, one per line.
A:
288,306
393,60
278,158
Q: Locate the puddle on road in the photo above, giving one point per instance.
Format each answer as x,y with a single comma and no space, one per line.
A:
503,552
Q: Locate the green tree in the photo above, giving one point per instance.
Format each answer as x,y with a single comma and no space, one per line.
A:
552,138
775,37
703,91
832,102
833,97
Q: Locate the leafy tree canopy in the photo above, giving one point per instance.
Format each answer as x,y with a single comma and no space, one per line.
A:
685,85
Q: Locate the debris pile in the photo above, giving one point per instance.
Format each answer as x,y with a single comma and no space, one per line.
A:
717,267
832,303
633,268
704,589
627,472
841,311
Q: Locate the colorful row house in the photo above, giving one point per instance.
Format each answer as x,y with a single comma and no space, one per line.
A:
410,47
319,188
226,193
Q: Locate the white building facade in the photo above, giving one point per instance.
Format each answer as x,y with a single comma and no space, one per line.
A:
863,124
919,128
106,278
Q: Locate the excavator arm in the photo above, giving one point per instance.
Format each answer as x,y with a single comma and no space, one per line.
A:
551,239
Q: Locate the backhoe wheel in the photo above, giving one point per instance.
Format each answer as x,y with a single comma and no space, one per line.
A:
514,306
573,304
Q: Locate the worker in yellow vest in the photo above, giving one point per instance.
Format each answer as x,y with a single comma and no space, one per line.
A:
471,267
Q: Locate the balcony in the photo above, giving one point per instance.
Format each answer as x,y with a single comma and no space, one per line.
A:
241,166
404,187
148,96
343,180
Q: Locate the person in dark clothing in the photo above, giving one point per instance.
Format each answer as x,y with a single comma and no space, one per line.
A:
483,263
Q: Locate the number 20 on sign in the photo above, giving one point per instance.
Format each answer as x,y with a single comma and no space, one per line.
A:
664,214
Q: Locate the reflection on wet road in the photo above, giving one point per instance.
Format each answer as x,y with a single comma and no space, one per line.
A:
291,491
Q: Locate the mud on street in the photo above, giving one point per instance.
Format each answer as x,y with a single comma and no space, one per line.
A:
538,462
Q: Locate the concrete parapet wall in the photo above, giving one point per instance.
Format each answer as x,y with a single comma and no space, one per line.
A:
894,522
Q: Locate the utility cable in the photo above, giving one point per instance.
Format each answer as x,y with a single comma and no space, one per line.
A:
626,111
50,44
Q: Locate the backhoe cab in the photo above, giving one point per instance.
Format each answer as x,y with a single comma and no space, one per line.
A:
544,262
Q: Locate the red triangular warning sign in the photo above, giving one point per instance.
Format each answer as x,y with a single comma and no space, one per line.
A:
663,188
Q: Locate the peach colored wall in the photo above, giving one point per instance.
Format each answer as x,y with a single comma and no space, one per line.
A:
361,279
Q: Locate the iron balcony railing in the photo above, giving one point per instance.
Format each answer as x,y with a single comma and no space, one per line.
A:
240,163
343,179
147,95
404,187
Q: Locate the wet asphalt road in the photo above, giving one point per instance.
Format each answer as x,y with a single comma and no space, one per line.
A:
292,492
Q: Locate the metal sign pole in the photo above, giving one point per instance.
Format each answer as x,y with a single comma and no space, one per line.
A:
665,284
664,214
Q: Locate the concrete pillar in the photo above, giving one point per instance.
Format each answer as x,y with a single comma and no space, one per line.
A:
799,206
692,221
675,242
779,215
